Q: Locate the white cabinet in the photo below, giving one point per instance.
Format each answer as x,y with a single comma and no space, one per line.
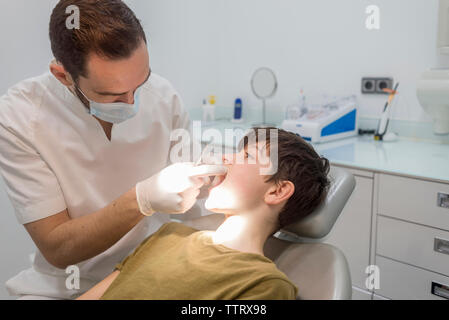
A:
352,230
401,225
413,200
411,243
406,282
411,237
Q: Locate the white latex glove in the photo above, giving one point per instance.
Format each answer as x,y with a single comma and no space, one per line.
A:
175,188
210,181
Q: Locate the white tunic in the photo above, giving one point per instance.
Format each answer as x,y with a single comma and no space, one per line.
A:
54,155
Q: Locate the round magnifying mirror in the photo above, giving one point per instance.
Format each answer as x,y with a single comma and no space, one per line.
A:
264,85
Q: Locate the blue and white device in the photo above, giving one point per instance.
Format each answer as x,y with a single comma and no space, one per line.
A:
332,121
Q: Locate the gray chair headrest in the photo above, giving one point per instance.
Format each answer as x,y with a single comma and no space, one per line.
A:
320,222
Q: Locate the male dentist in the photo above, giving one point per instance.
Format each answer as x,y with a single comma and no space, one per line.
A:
85,150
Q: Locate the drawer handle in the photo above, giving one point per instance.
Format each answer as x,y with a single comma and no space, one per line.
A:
441,245
440,290
443,200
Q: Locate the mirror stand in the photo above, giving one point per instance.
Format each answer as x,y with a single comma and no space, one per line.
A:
264,119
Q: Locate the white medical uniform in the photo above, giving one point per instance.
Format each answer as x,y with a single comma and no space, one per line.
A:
54,155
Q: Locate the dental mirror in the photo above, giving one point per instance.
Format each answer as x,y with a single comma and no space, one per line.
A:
264,85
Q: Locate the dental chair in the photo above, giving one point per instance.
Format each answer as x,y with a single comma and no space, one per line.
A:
319,270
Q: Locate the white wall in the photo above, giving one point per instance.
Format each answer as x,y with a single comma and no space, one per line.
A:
25,52
207,47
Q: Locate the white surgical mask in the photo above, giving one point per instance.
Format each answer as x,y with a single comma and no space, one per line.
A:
115,112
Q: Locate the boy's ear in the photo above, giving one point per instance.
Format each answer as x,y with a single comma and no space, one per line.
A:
279,192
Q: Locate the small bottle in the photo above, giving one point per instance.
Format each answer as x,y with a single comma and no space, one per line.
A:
209,109
238,110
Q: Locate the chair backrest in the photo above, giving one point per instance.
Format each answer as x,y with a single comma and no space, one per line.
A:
320,271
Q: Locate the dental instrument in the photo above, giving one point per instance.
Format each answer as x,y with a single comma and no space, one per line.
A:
384,120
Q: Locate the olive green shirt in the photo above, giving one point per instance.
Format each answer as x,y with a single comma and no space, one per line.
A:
180,263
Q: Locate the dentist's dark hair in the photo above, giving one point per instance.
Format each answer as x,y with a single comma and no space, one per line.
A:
299,163
108,28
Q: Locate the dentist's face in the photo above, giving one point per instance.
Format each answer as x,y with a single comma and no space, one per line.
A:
115,80
243,188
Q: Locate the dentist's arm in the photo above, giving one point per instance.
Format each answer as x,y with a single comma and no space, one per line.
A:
66,241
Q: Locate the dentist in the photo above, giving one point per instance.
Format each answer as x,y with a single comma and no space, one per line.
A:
85,149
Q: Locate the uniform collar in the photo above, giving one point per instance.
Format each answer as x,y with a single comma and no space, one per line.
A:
71,101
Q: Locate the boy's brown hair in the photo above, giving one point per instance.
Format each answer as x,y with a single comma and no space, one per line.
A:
299,163
108,28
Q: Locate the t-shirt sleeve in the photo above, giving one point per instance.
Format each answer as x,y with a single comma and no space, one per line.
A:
31,185
272,289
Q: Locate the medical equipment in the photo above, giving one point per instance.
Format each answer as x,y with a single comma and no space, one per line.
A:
384,119
297,110
264,85
320,270
334,120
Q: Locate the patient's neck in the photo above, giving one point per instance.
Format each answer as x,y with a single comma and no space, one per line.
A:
246,232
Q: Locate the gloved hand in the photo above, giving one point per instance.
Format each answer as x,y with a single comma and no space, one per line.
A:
175,188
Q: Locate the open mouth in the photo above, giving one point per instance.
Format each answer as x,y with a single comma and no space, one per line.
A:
217,181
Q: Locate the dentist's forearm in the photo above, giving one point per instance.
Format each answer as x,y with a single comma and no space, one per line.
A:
82,238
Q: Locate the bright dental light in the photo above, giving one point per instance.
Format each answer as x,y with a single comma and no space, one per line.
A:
220,198
229,230
169,178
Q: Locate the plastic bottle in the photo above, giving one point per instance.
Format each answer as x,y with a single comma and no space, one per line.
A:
209,109
238,111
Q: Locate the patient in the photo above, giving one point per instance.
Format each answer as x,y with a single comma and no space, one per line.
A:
180,262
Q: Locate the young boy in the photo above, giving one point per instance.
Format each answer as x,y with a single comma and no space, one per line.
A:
180,262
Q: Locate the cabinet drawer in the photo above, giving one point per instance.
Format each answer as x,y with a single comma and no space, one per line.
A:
402,281
413,200
413,244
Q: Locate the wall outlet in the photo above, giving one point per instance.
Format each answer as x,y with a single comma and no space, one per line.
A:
376,85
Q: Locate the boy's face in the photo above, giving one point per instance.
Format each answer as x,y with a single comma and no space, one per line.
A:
243,188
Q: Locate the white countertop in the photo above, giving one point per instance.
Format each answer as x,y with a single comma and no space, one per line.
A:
413,158
422,159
